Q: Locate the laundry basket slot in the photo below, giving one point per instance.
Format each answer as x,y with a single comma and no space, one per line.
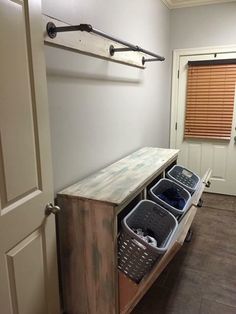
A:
154,181
126,210
170,167
185,177
136,257
171,195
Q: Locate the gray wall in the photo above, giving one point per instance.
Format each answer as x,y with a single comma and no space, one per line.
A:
203,26
101,111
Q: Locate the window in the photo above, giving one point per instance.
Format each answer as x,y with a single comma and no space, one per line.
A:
210,99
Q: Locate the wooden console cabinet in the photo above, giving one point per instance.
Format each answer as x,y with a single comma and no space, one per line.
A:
88,226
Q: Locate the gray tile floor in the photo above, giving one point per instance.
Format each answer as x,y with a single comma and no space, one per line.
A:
201,279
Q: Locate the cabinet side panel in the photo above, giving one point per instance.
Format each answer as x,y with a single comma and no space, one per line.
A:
87,232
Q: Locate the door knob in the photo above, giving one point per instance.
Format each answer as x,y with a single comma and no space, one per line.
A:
51,209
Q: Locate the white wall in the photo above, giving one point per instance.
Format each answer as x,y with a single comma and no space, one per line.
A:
101,111
203,26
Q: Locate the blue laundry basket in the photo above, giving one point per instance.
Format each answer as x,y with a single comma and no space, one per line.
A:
161,187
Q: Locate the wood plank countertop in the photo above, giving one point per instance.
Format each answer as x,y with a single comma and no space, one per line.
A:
115,183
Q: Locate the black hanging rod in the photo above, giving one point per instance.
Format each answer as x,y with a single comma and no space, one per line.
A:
52,31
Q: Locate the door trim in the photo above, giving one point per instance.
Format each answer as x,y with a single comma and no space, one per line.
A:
177,54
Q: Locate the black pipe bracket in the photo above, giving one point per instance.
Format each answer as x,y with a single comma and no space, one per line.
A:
51,30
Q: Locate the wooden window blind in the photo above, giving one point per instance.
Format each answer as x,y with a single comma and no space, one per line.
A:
210,99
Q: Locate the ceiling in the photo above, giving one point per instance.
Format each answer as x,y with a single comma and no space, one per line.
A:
174,4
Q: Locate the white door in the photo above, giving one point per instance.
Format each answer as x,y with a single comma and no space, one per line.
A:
28,266
199,154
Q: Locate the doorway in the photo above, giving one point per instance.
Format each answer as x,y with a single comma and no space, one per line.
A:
199,154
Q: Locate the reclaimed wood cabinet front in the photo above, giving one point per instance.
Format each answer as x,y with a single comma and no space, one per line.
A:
88,226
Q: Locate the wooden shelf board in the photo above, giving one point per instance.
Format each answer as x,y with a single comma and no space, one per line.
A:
116,183
90,44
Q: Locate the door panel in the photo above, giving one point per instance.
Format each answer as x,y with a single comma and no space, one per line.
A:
26,265
194,156
17,100
202,154
219,162
28,259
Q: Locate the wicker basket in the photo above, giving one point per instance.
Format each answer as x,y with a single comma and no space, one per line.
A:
165,184
188,179
135,256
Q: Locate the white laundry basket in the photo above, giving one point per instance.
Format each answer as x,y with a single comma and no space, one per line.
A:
135,256
185,177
